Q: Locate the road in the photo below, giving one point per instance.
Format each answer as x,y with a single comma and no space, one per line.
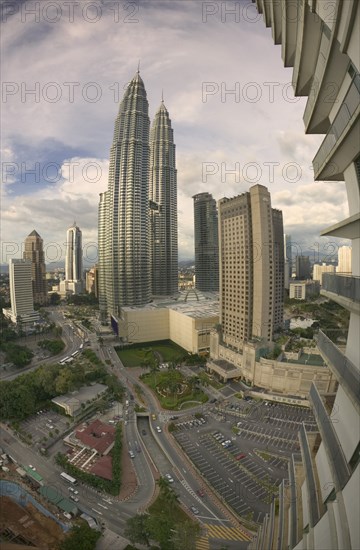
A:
155,448
171,459
72,343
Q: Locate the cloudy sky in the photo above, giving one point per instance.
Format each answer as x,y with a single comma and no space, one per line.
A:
235,119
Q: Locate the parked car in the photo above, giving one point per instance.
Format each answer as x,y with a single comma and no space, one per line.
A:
200,492
143,432
194,510
158,429
240,456
132,455
169,478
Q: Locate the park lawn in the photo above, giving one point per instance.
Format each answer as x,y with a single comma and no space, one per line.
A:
133,356
169,351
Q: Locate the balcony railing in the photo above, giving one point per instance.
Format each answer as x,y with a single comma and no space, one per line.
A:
318,75
341,120
281,516
339,466
344,370
314,514
293,529
342,284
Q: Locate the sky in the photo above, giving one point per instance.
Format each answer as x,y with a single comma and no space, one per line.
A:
236,122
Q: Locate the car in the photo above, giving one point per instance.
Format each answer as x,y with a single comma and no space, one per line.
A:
169,478
75,499
132,455
194,510
72,490
158,429
200,492
31,466
144,432
153,416
240,456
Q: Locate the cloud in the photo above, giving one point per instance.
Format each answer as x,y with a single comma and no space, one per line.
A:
226,90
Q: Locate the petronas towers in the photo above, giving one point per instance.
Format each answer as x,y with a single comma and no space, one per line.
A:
138,255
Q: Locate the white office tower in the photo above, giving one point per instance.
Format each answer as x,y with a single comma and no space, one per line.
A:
21,293
163,206
73,283
319,506
344,259
124,251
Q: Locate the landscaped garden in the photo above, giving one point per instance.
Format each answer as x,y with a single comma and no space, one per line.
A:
173,389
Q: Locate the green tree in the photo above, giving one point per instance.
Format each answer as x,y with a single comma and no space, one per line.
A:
160,529
80,537
185,535
19,355
137,529
55,299
163,484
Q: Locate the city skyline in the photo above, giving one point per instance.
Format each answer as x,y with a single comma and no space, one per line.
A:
197,92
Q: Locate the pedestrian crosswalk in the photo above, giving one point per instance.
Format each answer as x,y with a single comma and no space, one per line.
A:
220,532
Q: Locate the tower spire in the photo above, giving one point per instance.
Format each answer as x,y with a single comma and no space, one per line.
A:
162,96
138,69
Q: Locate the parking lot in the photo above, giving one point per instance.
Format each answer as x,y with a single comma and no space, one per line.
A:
44,426
242,450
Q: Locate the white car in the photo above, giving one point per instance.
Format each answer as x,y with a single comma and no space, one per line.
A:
132,455
169,478
32,467
158,429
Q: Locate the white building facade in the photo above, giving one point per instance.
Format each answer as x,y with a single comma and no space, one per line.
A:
21,293
319,506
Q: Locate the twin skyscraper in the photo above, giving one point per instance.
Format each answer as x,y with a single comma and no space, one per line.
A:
138,242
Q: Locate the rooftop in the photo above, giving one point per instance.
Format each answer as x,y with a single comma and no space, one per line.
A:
103,467
97,436
73,400
192,303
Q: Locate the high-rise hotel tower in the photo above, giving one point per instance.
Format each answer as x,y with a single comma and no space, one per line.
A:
251,263
163,206
124,248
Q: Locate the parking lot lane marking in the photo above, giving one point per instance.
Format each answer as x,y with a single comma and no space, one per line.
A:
227,533
202,543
